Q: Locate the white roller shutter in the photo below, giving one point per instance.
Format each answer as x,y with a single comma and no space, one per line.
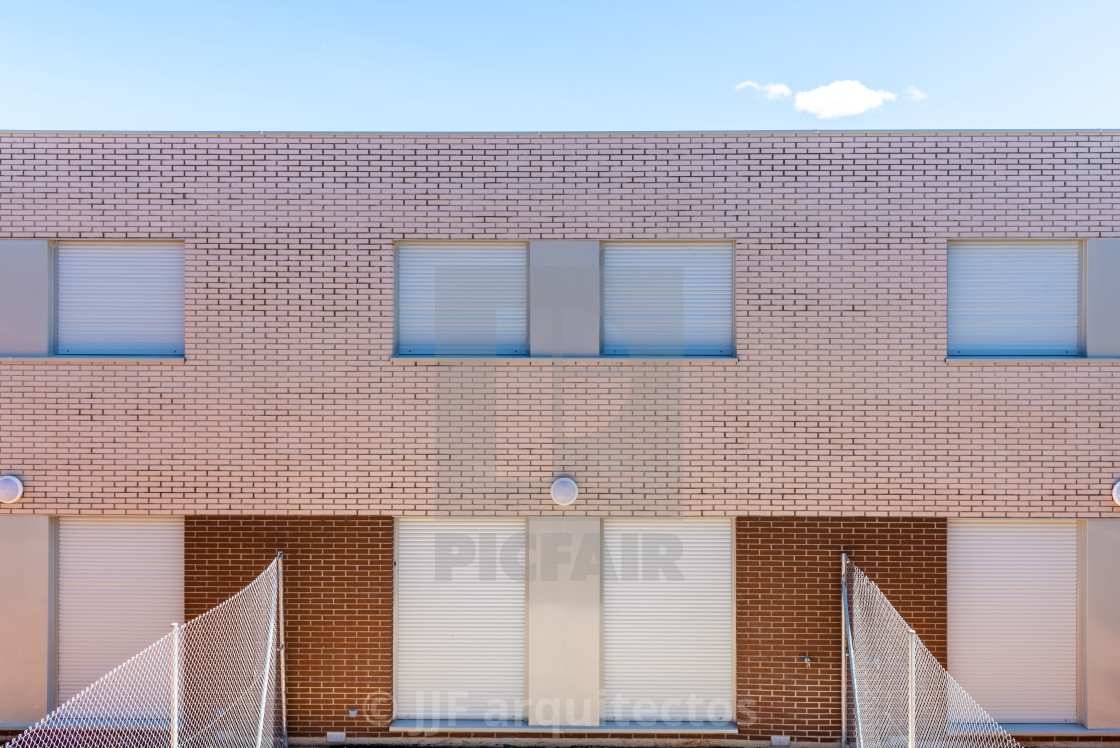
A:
120,298
1014,299
667,299
460,618
1013,616
120,587
668,620
461,298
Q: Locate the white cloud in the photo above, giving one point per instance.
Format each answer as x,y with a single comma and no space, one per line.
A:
840,99
772,90
915,95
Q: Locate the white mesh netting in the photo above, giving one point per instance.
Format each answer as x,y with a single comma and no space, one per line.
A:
879,643
215,682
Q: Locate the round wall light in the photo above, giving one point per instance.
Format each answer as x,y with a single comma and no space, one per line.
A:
11,489
564,491
1116,492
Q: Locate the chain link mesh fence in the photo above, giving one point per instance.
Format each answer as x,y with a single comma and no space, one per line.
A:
215,682
888,663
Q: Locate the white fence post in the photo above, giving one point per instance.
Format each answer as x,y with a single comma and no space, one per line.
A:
175,676
268,658
913,697
847,621
282,644
843,652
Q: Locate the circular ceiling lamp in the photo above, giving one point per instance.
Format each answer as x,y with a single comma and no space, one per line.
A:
11,489
564,491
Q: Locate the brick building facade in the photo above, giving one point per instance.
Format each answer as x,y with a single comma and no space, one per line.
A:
840,423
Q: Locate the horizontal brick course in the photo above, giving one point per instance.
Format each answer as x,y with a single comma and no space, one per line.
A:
288,403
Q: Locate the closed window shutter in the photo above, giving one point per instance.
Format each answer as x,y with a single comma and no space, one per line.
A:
460,618
120,587
668,620
667,299
462,299
120,298
1012,598
1014,300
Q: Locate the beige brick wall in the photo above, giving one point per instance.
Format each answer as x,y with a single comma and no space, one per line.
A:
288,402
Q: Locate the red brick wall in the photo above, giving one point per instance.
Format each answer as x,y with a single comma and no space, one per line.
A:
338,591
338,594
841,401
788,604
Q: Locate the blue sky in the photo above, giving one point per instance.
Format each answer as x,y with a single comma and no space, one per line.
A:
573,65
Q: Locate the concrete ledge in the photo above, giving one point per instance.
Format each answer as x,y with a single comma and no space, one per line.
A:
487,726
92,359
1056,729
600,360
460,740
1033,361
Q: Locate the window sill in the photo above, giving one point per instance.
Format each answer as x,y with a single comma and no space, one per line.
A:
1056,729
489,726
565,360
66,359
1033,360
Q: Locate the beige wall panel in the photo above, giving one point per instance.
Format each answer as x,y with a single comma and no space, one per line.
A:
1102,313
1102,624
25,269
25,594
564,620
565,298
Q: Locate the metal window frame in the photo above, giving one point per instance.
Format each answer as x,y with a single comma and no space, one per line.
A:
1082,248
395,349
734,247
